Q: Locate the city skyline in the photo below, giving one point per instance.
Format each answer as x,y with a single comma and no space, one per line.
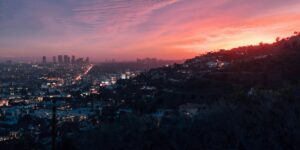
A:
73,59
126,30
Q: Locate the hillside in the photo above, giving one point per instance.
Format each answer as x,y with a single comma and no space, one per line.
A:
219,74
243,98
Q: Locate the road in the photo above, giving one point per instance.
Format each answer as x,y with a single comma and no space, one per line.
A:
81,75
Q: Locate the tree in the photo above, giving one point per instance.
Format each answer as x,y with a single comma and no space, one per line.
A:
277,39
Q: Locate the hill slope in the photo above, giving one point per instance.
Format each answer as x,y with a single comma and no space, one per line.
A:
244,98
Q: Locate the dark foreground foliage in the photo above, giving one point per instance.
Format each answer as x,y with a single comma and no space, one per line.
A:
256,122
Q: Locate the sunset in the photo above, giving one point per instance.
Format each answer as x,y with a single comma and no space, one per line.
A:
149,74
125,30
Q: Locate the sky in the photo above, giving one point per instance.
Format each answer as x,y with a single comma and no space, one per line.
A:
130,29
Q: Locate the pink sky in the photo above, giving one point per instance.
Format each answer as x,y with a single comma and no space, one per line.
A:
127,29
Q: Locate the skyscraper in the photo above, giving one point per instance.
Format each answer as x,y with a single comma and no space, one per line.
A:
66,59
60,59
44,59
73,59
87,60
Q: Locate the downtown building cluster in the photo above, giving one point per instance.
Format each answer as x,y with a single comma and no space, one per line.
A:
65,59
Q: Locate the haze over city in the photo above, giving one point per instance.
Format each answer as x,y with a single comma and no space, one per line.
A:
126,30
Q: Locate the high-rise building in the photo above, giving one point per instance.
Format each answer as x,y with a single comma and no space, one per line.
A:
54,59
66,59
73,59
87,60
60,59
44,59
80,60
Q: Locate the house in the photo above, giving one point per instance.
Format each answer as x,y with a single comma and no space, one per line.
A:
10,115
191,110
3,102
212,64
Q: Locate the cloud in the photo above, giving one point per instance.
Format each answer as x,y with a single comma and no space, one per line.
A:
117,15
140,28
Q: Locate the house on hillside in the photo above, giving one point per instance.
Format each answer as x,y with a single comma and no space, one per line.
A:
3,102
190,110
